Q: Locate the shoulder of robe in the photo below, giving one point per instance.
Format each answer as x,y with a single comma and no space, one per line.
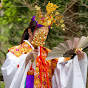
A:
18,50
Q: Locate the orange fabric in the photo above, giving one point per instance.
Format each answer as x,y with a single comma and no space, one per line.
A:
44,70
23,48
42,62
46,67
67,58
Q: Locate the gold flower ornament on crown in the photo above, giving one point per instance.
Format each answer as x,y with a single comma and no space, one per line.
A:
52,16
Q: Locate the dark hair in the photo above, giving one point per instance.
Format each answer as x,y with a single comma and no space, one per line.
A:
32,26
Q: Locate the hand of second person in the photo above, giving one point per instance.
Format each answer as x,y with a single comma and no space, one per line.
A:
80,54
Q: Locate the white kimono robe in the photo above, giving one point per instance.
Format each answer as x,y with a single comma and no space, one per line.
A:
71,74
11,74
14,77
67,75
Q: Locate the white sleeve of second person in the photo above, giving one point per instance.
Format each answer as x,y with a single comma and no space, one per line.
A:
72,74
12,75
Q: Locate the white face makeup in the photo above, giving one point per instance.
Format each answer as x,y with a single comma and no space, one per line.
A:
40,36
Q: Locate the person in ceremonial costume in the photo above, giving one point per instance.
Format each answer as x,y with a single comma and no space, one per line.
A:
25,65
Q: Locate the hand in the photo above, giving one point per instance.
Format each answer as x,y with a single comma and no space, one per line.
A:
31,56
80,54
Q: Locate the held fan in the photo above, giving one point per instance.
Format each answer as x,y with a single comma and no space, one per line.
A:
67,49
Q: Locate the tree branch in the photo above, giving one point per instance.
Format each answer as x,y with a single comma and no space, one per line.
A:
25,3
3,52
72,3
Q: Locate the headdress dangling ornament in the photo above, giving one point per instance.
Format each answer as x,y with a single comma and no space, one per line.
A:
51,17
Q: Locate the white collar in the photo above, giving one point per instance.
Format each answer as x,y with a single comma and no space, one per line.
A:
29,44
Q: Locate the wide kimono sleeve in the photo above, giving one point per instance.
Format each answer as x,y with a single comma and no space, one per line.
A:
14,71
71,74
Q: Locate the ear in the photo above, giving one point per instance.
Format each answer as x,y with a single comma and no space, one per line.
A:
29,31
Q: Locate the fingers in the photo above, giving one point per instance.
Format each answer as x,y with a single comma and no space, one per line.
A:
35,53
31,56
80,54
35,50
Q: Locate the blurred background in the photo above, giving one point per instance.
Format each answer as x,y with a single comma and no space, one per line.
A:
15,16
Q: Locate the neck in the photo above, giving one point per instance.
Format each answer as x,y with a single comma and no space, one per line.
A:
30,40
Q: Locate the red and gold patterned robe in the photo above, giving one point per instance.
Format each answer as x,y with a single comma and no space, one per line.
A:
44,69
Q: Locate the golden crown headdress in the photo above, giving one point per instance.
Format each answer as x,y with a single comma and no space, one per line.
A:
52,16
46,20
